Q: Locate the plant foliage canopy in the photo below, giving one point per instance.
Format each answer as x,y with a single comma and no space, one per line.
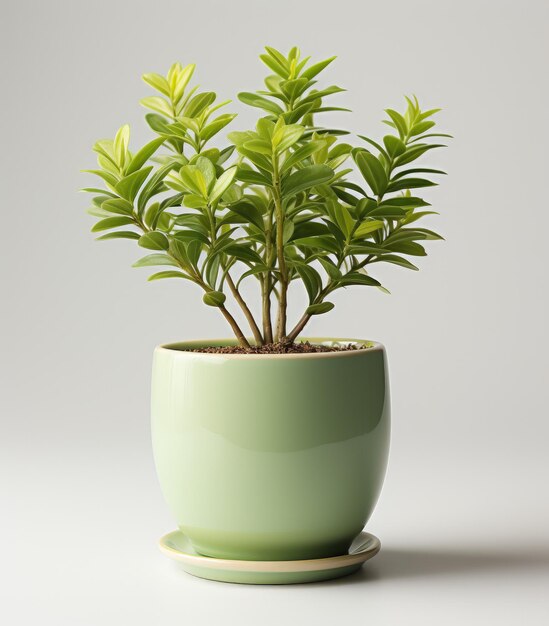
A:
278,204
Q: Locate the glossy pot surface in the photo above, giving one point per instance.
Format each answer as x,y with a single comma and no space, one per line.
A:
270,457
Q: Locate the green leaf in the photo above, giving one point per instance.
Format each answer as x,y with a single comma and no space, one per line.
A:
191,235
415,151
121,142
207,169
157,82
330,268
194,180
216,125
111,222
129,186
395,146
326,243
167,274
421,128
408,247
372,170
158,124
252,99
214,298
140,158
158,104
155,259
259,145
399,122
417,170
301,154
243,253
119,234
409,183
311,279
154,241
376,145
292,89
198,103
181,81
222,184
368,227
397,260
249,212
109,178
357,278
320,308
315,69
306,178
274,65
117,205
252,177
290,135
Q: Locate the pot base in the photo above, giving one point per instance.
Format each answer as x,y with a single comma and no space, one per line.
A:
177,546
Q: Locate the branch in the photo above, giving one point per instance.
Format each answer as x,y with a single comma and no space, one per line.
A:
245,309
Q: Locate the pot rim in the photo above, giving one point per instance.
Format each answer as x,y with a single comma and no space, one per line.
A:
172,347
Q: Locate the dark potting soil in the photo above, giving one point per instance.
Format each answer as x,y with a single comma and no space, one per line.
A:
281,348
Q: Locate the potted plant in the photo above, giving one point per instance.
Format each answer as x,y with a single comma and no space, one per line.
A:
269,448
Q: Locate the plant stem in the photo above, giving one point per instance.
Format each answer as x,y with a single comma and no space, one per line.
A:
236,328
266,298
245,309
283,305
266,286
298,327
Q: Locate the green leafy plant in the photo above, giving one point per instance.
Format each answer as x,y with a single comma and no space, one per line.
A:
287,201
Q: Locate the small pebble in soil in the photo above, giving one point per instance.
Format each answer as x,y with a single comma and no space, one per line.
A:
281,348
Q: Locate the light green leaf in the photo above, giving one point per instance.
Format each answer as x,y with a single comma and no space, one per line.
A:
301,154
395,146
252,99
215,126
289,136
259,145
158,104
368,227
119,234
372,170
121,142
306,178
118,206
111,222
167,274
198,103
154,241
129,186
397,260
155,259
207,169
315,69
157,82
182,80
222,184
142,156
399,122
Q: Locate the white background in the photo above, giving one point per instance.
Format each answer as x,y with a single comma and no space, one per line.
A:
464,515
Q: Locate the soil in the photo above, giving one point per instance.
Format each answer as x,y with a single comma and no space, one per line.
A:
281,348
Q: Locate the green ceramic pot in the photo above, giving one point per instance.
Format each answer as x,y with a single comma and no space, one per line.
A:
270,457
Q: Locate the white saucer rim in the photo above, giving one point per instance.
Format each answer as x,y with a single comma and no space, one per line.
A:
305,565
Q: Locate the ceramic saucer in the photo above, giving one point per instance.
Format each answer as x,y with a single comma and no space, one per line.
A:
177,546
